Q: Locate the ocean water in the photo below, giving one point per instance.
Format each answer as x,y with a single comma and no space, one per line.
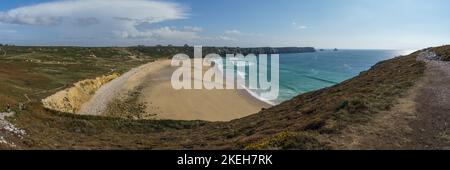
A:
305,72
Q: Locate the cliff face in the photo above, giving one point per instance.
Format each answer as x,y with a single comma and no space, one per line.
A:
164,51
258,50
71,99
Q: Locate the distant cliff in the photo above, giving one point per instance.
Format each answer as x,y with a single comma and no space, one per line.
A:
165,51
258,50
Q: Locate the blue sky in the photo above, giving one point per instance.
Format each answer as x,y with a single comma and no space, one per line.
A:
363,24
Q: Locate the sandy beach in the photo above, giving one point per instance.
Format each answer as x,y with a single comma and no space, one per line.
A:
199,104
164,102
119,88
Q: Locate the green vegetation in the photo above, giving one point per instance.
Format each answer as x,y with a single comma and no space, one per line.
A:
288,140
443,52
39,71
129,107
308,121
328,111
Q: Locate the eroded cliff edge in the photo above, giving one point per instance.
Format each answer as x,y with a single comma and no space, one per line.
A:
71,99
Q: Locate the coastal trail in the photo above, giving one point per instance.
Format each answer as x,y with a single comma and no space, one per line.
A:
431,128
419,120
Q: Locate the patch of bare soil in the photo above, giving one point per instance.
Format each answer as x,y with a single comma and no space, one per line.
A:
431,129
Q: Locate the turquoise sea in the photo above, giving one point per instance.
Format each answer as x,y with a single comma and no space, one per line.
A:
305,72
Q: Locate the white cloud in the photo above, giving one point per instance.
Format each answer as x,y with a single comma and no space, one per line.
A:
9,31
237,35
54,13
233,32
300,27
226,38
102,18
193,29
164,33
88,21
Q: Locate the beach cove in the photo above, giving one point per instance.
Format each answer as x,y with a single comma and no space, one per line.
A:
151,87
153,81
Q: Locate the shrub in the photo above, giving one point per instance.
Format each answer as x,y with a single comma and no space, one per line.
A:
288,141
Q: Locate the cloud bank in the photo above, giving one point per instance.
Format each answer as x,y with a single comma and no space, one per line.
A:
117,18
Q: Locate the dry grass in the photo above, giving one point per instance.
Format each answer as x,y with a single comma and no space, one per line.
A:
328,111
288,140
443,52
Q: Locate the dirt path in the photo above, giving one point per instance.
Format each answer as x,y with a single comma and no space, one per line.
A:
420,120
431,129
119,86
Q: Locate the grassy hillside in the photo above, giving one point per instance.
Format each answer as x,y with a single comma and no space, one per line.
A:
312,120
443,52
309,121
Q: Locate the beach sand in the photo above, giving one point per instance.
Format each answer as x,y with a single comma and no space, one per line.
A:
120,87
200,104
